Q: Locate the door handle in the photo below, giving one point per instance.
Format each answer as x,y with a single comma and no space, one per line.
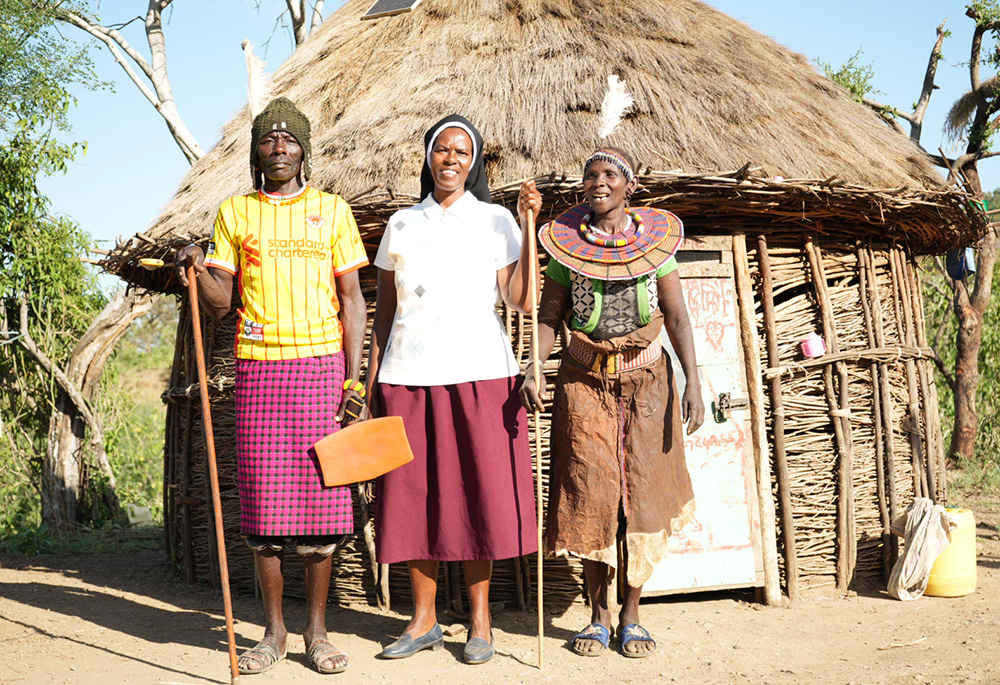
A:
725,404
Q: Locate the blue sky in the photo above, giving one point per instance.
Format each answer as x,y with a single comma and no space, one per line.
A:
132,165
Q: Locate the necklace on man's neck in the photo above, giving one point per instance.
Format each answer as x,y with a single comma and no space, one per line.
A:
281,198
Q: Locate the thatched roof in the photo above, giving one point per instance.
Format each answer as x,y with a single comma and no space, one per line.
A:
711,96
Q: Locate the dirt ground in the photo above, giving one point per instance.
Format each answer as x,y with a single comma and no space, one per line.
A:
108,619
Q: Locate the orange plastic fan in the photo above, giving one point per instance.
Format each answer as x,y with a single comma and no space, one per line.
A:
363,451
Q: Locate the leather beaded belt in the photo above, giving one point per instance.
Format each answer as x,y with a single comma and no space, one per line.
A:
614,362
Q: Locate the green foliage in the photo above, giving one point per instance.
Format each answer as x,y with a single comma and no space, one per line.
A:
81,540
979,129
982,468
984,11
855,77
981,473
134,420
40,265
132,409
39,253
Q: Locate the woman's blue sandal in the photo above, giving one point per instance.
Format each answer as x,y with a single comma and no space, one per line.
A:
595,632
634,632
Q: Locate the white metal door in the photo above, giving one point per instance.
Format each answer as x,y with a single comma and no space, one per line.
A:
721,546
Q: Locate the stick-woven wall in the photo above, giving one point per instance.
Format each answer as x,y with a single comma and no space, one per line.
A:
860,433
860,430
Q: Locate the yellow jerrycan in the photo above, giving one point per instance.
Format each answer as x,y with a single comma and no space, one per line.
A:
954,572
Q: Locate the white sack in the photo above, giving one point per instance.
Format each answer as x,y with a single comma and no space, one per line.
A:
927,530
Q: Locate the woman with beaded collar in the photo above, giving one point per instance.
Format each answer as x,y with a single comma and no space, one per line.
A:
619,483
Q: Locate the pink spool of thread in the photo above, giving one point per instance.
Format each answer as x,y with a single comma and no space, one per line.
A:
814,346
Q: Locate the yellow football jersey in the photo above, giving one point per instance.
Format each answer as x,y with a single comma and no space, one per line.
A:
285,252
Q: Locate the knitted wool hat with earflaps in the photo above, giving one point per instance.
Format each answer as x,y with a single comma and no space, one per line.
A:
281,114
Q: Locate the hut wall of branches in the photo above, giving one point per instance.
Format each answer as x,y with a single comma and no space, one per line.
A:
845,441
853,436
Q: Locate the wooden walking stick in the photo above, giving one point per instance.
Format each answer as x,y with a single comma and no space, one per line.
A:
536,372
213,471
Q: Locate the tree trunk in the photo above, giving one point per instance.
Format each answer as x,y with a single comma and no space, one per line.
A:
967,342
969,310
63,473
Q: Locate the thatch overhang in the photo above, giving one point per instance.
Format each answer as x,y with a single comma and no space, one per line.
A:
711,95
927,221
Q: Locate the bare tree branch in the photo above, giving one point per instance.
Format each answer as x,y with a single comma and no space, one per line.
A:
977,45
882,107
959,165
297,11
74,394
940,161
949,378
317,16
917,123
954,167
888,114
916,117
156,85
115,40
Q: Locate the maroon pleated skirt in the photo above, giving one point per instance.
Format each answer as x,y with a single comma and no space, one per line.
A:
468,493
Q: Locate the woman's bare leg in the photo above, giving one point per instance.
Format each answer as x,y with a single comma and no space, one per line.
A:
629,613
423,578
597,576
477,577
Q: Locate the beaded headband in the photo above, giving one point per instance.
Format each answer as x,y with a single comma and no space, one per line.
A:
611,158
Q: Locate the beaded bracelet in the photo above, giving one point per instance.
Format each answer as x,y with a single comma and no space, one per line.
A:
356,386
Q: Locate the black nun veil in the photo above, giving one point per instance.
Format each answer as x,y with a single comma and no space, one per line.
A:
476,183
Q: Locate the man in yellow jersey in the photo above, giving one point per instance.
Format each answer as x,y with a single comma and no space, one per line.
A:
296,252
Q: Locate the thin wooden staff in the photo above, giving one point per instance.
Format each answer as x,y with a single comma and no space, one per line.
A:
536,372
213,471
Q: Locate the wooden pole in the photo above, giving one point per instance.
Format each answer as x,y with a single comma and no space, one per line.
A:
932,450
886,398
876,370
778,423
916,384
932,424
187,480
383,584
839,418
758,428
536,371
920,487
213,471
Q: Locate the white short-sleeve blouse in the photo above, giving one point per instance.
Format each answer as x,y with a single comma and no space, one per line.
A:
446,329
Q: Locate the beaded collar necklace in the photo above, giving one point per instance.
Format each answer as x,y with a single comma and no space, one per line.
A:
627,237
277,199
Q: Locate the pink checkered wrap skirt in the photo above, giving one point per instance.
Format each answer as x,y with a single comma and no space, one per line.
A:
282,409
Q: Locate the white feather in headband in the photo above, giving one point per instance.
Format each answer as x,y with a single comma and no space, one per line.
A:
258,91
616,102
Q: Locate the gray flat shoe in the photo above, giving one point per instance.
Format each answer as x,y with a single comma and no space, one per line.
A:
478,650
408,646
